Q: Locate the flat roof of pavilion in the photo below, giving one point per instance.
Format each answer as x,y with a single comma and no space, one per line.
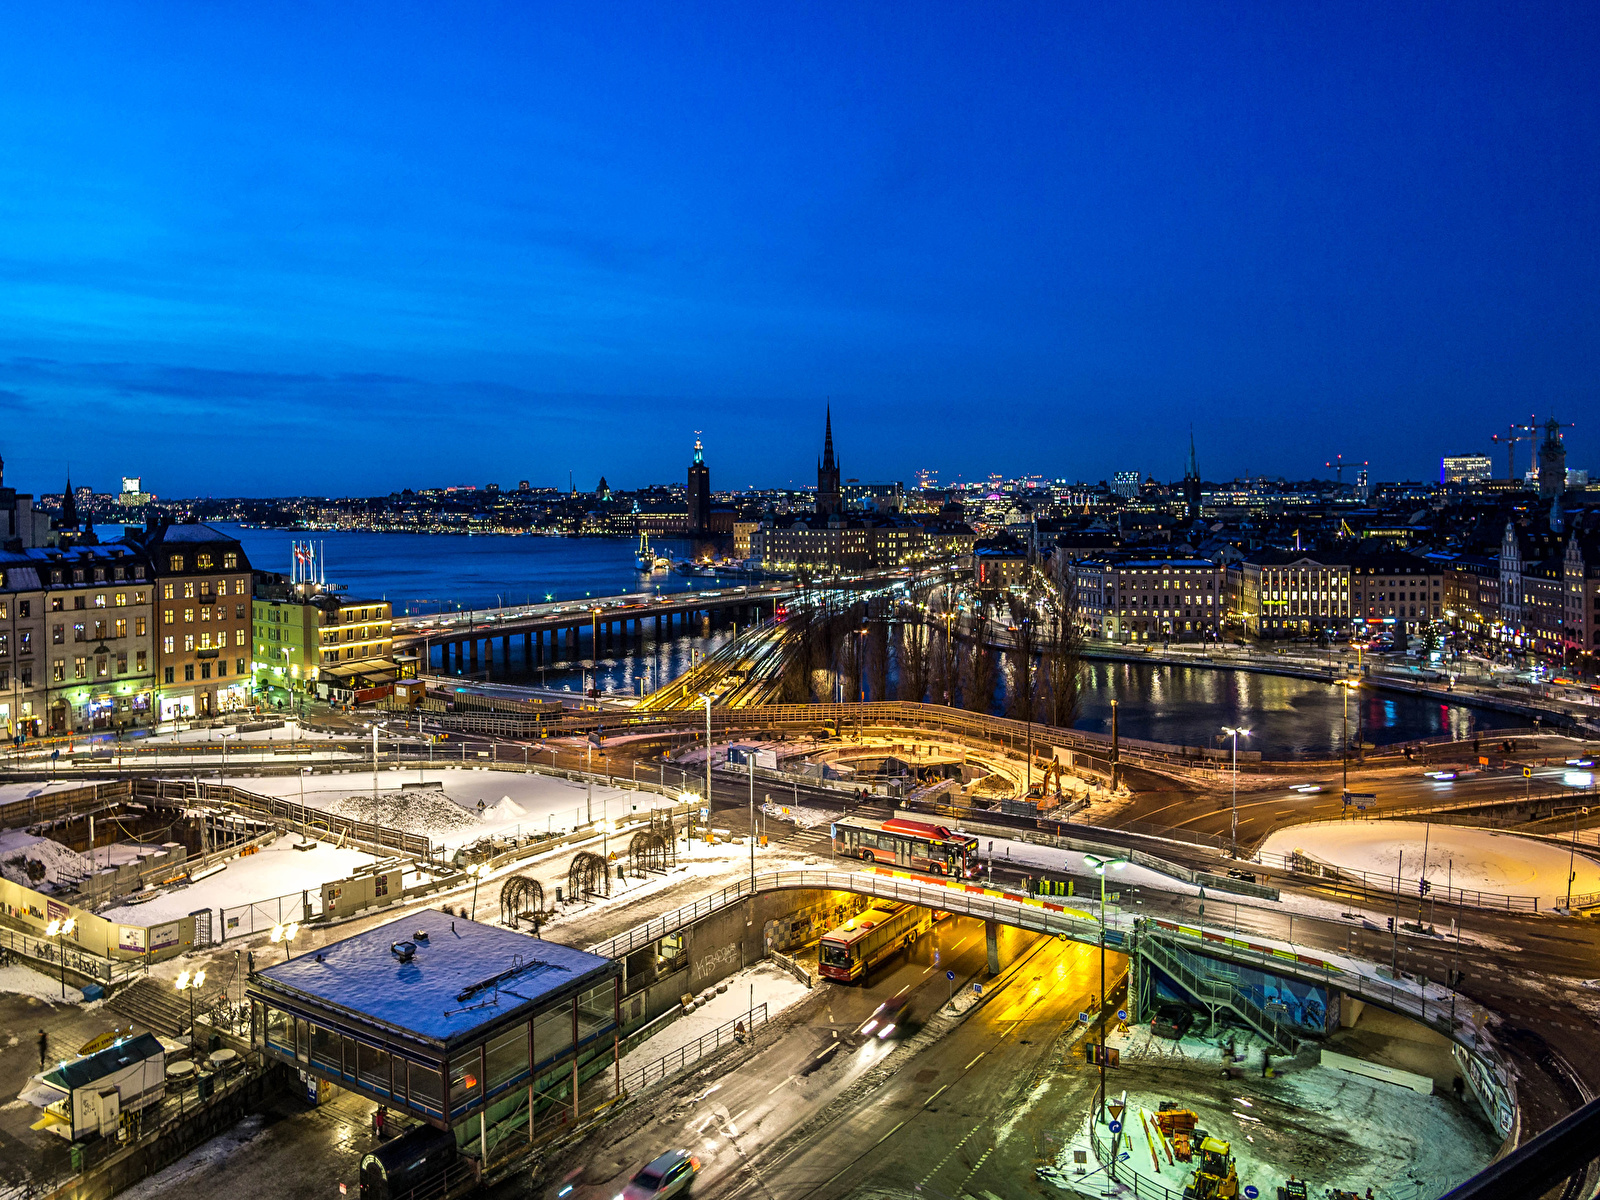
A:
462,977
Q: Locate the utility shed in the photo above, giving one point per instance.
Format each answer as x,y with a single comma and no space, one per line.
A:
88,1095
444,1017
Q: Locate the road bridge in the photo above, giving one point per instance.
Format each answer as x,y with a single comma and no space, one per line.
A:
554,631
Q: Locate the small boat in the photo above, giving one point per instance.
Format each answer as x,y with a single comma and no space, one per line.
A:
643,559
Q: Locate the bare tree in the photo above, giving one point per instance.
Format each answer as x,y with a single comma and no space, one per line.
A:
1062,667
877,649
914,657
978,678
944,681
1024,631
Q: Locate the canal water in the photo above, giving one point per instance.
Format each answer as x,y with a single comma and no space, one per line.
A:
1182,705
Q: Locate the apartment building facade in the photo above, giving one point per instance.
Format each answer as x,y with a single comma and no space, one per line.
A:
202,606
1150,599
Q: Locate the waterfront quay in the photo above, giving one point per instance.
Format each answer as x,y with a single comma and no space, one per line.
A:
556,631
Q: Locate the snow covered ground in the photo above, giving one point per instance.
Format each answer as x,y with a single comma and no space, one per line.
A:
12,792
277,870
21,981
448,810
38,862
774,987
1501,864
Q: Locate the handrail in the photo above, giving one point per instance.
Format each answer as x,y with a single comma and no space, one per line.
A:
692,1052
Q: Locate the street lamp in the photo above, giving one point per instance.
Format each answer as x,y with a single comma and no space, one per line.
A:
1098,863
476,872
706,696
285,934
1235,731
191,984
61,930
1346,686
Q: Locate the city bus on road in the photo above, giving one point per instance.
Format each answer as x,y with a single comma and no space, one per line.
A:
914,845
866,939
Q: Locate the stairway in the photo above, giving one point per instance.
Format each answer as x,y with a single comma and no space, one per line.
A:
161,1007
1198,976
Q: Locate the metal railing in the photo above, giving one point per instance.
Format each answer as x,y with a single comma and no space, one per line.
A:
692,1052
80,962
1215,992
1439,891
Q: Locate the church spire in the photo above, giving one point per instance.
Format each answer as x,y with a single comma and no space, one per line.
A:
69,507
827,440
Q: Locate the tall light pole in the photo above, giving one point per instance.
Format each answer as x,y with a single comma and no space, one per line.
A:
1347,686
63,929
191,984
1099,864
286,934
751,759
1234,825
706,696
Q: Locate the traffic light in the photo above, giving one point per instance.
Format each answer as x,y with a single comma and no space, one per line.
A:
1391,924
1424,887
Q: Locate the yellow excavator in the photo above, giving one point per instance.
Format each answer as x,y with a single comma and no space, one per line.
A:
1215,1178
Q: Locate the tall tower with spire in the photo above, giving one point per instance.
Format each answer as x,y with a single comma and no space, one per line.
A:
1191,483
829,503
699,493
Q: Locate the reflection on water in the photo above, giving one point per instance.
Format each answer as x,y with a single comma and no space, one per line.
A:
1190,705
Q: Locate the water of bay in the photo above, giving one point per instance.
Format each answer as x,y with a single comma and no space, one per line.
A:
1183,705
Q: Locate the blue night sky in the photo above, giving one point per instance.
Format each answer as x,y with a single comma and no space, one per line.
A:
273,249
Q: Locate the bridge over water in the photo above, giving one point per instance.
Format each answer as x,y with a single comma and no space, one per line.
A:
557,630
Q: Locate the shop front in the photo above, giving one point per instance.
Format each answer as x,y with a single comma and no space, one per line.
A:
234,696
177,707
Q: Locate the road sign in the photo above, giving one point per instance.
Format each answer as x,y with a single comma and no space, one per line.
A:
1122,1014
1527,772
1083,1018
1250,1191
949,974
1116,1127
977,989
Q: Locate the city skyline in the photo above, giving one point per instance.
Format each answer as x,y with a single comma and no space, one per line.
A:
315,232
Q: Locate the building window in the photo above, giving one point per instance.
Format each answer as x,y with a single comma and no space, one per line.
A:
188,672
238,637
100,600
167,647
25,642
121,627
101,666
58,670
202,562
175,562
205,670
222,667
230,562
80,668
188,591
24,608
77,632
139,662
238,666
138,627
188,642
167,675
166,591
122,600
188,615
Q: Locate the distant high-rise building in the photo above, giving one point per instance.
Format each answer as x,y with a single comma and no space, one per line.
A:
829,501
1552,461
1363,488
1126,483
132,494
699,493
1465,468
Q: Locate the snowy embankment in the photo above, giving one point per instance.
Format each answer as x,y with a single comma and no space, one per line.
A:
20,981
1483,860
773,986
460,805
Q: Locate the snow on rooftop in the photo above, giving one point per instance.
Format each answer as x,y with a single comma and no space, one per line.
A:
363,975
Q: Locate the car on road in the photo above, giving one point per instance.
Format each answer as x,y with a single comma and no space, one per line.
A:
887,1019
1172,1021
665,1175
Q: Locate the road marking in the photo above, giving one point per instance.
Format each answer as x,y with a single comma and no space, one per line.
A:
903,990
886,1136
975,1167
968,1067
935,1096
788,1080
831,1048
940,1164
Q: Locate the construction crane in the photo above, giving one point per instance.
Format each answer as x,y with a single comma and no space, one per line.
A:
1513,435
1338,464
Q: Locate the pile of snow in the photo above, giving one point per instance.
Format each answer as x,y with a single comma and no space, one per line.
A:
803,817
1483,860
20,981
425,811
39,863
505,809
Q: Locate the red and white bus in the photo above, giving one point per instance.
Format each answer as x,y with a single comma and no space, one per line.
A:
914,845
866,939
